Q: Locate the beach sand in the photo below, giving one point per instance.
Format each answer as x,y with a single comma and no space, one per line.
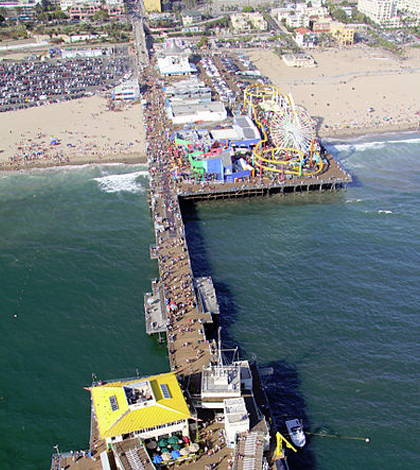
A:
72,132
351,91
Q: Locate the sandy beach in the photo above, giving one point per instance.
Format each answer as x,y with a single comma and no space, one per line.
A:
72,132
352,91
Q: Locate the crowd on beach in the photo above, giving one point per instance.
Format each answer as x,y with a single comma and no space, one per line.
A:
36,146
33,83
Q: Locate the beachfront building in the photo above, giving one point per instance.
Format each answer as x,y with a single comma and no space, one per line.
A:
83,52
190,17
321,25
411,6
149,407
126,91
305,38
83,10
248,22
152,6
300,15
343,34
411,10
23,10
382,12
298,60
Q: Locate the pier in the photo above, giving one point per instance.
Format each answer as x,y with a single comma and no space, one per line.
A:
182,307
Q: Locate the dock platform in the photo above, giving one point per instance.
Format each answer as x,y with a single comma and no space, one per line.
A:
155,310
206,296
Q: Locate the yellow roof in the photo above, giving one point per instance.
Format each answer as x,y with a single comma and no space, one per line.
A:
116,417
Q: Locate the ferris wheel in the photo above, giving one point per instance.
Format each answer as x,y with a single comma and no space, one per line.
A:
292,127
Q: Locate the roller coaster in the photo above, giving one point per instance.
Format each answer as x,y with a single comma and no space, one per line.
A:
289,144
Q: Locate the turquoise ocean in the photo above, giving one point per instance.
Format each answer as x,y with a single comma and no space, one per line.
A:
322,290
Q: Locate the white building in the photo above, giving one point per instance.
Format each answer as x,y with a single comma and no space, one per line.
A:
298,60
126,91
410,7
236,418
300,15
382,12
172,65
88,52
66,4
196,112
22,9
248,21
305,38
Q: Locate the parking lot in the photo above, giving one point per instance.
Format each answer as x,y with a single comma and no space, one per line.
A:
33,83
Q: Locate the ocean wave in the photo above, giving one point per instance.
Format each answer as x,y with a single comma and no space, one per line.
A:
126,182
360,147
384,211
350,201
379,144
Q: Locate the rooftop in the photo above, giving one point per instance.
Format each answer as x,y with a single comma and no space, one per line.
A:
127,406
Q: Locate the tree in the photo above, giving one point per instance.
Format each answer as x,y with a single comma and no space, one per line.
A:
340,15
101,15
247,9
202,42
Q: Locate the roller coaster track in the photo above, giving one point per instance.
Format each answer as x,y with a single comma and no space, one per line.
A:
286,160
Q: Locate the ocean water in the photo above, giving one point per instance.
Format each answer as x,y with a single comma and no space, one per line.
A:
321,289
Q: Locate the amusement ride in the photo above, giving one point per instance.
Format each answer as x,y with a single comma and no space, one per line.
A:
289,145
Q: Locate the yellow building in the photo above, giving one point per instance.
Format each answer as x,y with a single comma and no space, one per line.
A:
146,408
152,5
342,33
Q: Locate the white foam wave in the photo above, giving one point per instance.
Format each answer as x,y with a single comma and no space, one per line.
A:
349,201
382,211
362,146
126,182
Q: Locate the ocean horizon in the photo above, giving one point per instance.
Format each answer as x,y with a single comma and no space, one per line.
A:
321,289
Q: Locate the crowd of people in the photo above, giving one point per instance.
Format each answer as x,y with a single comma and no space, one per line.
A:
187,343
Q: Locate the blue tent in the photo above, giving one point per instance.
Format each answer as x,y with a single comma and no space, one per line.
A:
157,459
175,454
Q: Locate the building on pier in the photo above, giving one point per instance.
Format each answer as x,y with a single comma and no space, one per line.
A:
148,407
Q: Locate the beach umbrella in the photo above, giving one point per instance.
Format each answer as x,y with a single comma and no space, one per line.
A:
162,443
151,445
175,454
185,439
184,451
176,446
173,440
194,447
157,459
166,456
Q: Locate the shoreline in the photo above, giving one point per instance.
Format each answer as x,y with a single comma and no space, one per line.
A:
362,133
365,134
133,159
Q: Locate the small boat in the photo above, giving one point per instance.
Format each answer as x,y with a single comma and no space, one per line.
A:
295,430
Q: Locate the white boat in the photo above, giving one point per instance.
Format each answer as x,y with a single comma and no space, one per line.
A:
295,430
